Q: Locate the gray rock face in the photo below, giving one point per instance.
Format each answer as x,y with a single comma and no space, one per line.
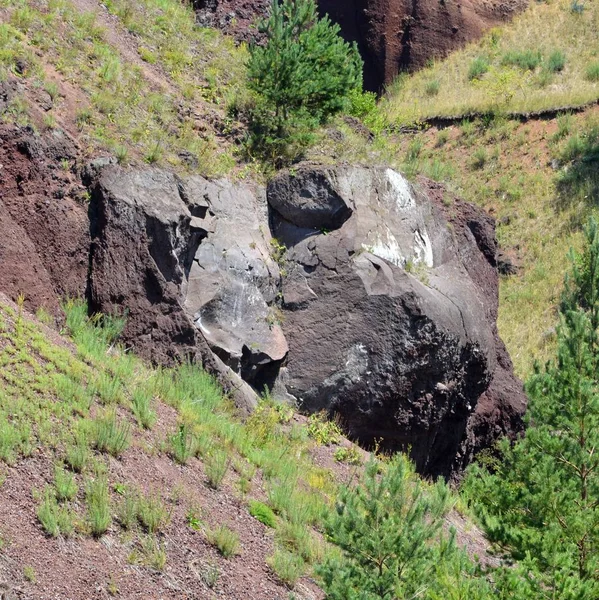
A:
194,285
385,324
383,310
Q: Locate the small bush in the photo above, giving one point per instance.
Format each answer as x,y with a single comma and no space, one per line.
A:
225,540
77,455
556,61
432,87
478,67
64,482
527,60
592,72
350,455
286,566
152,513
127,511
217,464
111,435
323,431
97,498
263,513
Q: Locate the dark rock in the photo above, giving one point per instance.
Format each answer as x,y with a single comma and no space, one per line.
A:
390,319
505,265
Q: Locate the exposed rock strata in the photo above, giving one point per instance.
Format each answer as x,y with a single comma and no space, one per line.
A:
392,35
378,300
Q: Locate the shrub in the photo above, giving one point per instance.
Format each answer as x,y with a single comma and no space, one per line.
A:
225,540
111,435
524,59
350,455
323,431
97,498
183,444
432,87
592,72
385,528
556,61
286,566
302,75
478,67
263,513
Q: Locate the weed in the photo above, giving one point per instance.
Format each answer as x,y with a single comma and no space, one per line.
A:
97,498
47,514
592,72
479,158
152,513
263,513
349,455
183,444
286,566
296,538
77,454
29,574
556,61
209,575
142,410
432,87
323,431
153,553
478,67
524,59
111,435
216,468
193,520
64,482
225,540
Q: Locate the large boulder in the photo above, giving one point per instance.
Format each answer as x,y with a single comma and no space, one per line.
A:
188,262
392,35
390,317
375,300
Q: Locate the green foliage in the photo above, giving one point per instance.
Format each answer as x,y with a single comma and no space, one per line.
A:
432,87
217,464
288,567
263,513
350,455
386,528
524,59
225,540
97,498
323,431
111,434
64,482
363,105
592,71
183,444
541,499
478,67
301,76
142,408
556,61
152,513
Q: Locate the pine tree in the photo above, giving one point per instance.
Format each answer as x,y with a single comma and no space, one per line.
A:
542,500
385,529
303,74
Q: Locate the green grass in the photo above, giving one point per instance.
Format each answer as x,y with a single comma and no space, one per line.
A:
225,540
97,499
131,113
263,513
556,67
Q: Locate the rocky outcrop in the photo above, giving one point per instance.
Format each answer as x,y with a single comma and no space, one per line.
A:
392,35
376,301
344,289
390,315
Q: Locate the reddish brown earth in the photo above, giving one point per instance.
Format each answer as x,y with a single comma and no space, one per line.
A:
44,229
392,35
